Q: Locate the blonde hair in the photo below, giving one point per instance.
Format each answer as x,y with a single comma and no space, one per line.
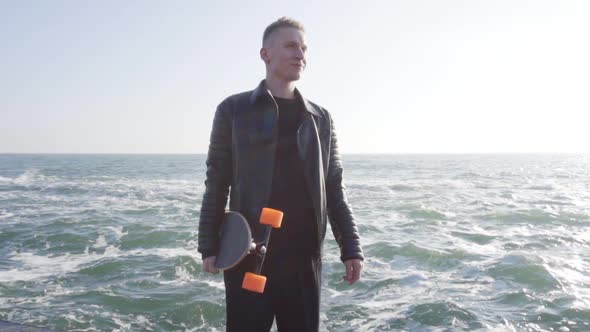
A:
283,22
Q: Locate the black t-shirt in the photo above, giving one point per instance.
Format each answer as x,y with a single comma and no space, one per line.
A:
297,235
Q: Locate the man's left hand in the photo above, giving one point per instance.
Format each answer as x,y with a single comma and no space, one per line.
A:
353,268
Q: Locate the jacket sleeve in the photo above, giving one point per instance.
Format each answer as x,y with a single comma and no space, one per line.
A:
340,214
217,182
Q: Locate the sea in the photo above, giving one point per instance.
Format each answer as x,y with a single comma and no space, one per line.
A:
452,242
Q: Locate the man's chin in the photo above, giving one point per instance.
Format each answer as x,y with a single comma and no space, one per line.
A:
291,77
295,77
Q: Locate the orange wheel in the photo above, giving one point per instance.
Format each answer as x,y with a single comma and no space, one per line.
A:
271,217
254,282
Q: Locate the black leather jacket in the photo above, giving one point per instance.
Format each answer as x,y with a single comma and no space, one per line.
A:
241,156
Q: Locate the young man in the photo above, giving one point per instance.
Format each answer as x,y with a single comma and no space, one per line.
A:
276,149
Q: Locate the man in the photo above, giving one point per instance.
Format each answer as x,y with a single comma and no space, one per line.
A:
276,149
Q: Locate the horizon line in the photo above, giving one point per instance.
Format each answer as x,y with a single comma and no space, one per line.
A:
344,153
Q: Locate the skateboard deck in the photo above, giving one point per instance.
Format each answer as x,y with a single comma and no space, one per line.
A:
236,239
236,242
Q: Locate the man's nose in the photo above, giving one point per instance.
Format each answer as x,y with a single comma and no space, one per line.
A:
300,54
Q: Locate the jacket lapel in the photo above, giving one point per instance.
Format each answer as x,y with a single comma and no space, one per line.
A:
308,144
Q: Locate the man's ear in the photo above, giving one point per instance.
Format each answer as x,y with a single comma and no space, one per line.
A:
264,55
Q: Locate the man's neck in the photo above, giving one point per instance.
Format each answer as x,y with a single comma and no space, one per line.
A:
280,88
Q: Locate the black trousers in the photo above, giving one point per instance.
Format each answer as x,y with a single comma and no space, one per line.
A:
292,295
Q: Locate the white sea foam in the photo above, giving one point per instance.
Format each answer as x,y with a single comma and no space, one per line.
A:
5,214
182,274
118,230
122,325
27,177
38,266
100,242
4,179
413,279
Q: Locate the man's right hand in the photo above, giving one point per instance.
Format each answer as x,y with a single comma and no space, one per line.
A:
209,264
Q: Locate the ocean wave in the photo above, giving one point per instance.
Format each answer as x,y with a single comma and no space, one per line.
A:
33,266
410,254
528,271
402,187
29,176
481,239
535,216
545,187
421,211
444,313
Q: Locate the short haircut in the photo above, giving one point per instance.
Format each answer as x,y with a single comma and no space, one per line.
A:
283,22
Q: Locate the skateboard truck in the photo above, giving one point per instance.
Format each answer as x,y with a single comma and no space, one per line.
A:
258,248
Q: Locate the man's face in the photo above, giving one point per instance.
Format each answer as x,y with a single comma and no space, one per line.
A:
284,54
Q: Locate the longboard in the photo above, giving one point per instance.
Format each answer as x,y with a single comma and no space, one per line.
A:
236,243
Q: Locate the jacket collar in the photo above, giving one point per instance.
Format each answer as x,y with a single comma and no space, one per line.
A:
261,90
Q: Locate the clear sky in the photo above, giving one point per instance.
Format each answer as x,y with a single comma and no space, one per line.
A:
397,76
